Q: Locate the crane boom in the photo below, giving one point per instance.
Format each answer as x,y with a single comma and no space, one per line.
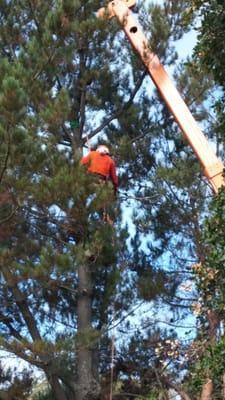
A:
212,165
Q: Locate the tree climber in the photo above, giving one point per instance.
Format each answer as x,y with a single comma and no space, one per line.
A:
101,164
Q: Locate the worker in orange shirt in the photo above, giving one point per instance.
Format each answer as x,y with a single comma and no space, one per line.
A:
100,163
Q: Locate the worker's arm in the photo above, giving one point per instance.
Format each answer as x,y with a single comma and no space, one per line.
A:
86,159
113,175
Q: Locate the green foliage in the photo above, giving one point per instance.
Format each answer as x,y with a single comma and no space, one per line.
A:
208,51
213,283
12,98
211,364
210,45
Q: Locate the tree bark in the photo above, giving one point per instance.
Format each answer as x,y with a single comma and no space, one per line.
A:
207,390
213,320
57,389
87,386
223,387
4,395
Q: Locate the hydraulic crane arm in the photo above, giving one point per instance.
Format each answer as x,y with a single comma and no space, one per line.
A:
212,166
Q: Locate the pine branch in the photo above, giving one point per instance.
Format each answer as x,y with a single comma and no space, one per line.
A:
20,352
185,299
49,60
119,111
7,321
6,219
177,305
174,325
21,303
123,318
35,18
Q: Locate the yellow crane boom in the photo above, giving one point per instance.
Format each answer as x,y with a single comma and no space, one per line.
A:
212,165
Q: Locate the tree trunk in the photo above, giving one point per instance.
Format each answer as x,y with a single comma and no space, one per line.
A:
4,395
207,390
87,387
213,320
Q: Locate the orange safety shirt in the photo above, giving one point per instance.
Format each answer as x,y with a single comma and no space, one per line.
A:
101,164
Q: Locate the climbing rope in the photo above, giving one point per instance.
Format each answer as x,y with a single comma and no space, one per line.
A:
87,142
112,354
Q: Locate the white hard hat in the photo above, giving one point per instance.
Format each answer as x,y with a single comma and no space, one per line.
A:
103,149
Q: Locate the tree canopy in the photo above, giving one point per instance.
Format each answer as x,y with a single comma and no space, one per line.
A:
104,309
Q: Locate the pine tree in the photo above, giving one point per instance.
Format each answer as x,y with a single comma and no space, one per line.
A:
64,273
51,57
